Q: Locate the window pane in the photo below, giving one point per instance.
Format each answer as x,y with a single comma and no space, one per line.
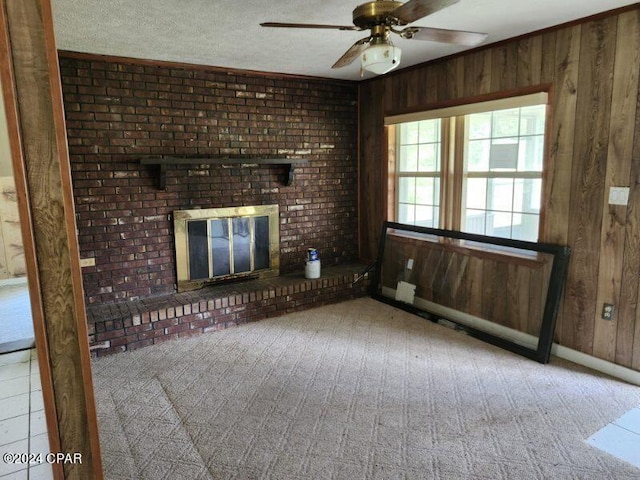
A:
506,123
425,216
478,153
409,133
198,244
531,154
479,125
428,158
474,221
500,194
525,227
409,158
476,193
429,131
503,155
261,230
526,195
532,120
220,246
498,224
425,191
407,190
241,245
406,213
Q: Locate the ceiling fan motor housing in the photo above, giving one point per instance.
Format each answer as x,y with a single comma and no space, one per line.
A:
373,13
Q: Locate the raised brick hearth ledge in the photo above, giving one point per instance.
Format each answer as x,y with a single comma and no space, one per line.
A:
118,327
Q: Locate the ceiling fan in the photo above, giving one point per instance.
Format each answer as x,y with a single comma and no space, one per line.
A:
383,17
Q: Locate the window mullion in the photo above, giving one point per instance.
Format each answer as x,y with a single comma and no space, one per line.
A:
446,175
394,147
458,173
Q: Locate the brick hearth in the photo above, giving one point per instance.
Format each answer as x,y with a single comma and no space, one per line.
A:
118,327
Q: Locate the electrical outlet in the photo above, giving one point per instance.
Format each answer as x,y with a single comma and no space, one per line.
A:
410,264
607,311
88,262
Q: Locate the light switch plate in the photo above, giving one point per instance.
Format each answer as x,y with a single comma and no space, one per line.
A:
619,196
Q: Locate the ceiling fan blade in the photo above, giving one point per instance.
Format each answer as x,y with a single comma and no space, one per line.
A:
309,25
353,52
458,37
415,9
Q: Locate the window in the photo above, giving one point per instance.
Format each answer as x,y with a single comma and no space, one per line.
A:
475,168
419,173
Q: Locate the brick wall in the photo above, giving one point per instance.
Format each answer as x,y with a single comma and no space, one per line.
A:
120,111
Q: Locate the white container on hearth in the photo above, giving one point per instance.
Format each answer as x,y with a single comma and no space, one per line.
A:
312,265
312,269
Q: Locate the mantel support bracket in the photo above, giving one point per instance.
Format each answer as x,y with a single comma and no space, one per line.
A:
289,180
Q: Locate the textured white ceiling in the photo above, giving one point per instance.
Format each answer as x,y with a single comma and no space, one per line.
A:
227,33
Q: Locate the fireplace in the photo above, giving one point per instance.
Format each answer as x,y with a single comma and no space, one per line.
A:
222,244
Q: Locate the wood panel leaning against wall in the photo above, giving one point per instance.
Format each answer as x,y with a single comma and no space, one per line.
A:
593,143
33,100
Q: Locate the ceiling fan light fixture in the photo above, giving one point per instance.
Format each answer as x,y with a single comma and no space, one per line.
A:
380,58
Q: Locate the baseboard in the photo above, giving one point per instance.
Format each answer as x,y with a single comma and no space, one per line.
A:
603,366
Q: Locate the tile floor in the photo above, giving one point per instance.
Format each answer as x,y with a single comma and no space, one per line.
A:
621,438
23,428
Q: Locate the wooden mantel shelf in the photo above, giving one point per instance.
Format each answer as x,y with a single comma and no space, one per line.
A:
162,162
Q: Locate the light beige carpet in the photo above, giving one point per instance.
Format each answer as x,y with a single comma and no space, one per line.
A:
357,390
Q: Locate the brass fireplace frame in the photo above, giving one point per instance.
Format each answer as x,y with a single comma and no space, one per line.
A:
181,218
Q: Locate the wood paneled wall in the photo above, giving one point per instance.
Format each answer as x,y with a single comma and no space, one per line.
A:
508,290
593,143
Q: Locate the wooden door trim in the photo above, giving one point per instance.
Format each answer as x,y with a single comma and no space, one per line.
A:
30,76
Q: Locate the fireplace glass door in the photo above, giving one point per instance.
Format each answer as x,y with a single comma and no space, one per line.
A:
221,244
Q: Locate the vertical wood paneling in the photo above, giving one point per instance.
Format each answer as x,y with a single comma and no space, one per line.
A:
518,297
614,217
548,69
593,142
475,286
561,135
454,84
416,94
504,63
371,188
536,295
477,73
632,260
435,77
560,147
529,62
628,341
587,190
